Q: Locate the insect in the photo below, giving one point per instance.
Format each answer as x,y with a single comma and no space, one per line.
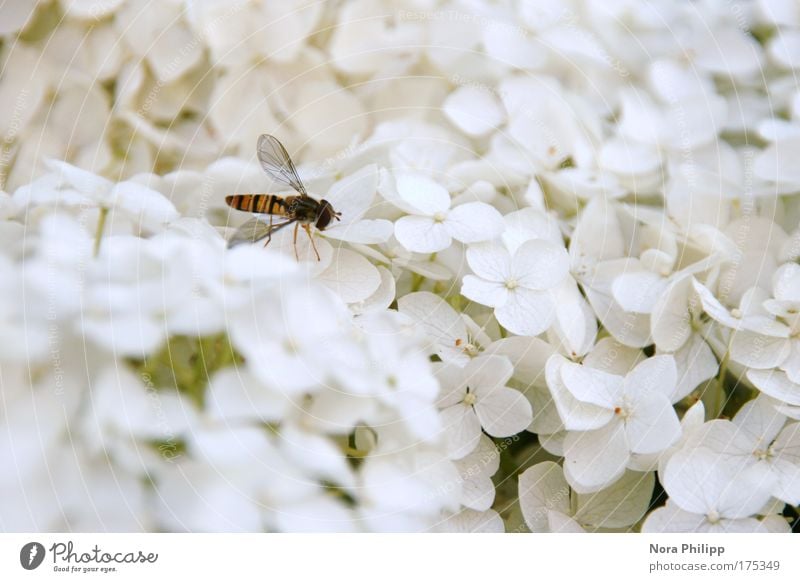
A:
300,209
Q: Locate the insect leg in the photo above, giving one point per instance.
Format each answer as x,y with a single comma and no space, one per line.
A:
269,235
296,256
307,228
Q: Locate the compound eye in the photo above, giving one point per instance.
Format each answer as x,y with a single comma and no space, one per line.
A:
324,218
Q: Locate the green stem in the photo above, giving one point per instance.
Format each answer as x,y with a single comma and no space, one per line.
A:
720,395
416,282
723,369
101,225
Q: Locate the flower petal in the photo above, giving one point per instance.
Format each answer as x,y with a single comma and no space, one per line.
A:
673,519
487,373
540,265
657,374
490,261
504,412
699,481
484,292
354,194
638,292
462,430
576,324
423,194
421,234
443,325
592,386
576,415
755,350
620,505
365,232
670,321
775,383
595,459
351,276
653,425
149,206
696,363
474,222
526,312
542,488
473,110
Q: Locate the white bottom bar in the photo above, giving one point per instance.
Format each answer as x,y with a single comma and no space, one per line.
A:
352,558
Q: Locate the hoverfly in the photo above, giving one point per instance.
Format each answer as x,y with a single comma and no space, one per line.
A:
300,210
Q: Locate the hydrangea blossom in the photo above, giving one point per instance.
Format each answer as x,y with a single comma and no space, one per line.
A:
518,286
549,505
475,398
611,417
432,224
556,287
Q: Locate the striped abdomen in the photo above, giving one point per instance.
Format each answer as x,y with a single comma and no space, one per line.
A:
260,203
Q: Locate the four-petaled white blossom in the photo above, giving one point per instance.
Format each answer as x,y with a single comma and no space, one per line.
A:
611,417
432,225
518,286
707,494
475,398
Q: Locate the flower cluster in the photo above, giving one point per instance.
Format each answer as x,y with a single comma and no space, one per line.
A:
563,295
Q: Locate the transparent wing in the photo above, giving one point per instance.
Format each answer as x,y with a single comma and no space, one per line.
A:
254,230
276,162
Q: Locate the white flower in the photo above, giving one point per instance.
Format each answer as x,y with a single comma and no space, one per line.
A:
288,501
354,196
759,436
362,44
454,336
726,51
394,255
150,209
406,491
687,122
284,337
546,129
476,470
433,224
382,380
584,183
475,398
676,327
610,417
240,31
707,494
549,505
163,38
381,299
91,9
473,110
597,255
764,330
236,395
517,286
